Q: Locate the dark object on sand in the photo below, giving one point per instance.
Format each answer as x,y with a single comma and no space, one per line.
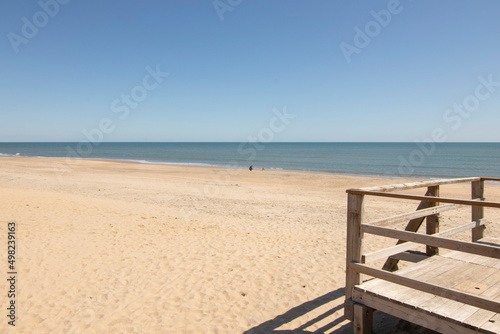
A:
250,168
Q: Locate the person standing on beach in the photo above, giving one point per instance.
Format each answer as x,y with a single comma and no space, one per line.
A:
250,168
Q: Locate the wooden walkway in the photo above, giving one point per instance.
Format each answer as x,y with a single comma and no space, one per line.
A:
458,292
476,275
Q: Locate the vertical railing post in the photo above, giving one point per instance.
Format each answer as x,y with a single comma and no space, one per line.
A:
477,192
354,250
432,222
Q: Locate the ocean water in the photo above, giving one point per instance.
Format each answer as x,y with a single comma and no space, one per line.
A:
430,160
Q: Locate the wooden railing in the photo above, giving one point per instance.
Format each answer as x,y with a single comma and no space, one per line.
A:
429,209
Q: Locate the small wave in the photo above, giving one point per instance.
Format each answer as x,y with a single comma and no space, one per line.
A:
10,155
173,163
140,161
186,164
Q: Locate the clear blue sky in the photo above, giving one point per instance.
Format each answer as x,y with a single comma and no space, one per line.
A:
227,76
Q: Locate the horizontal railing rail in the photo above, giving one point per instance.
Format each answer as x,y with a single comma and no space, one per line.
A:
428,198
423,184
435,241
386,252
419,184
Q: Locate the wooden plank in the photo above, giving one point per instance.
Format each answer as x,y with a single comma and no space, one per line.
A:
447,307
416,297
432,264
355,215
453,294
414,185
433,267
477,191
473,258
453,276
412,315
493,291
479,318
432,222
493,324
479,284
442,306
466,257
429,198
400,293
449,270
416,214
492,242
436,241
464,312
383,253
363,319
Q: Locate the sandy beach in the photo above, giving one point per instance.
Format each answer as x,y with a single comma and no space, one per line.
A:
122,247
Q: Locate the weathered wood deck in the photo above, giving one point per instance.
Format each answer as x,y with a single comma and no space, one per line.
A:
458,292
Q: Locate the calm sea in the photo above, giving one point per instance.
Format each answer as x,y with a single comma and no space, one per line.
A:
386,159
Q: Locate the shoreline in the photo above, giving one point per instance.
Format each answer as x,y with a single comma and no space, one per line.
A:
274,169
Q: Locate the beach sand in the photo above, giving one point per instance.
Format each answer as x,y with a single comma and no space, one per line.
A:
122,247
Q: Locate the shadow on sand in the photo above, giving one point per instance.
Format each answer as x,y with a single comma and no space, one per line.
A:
270,326
333,316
